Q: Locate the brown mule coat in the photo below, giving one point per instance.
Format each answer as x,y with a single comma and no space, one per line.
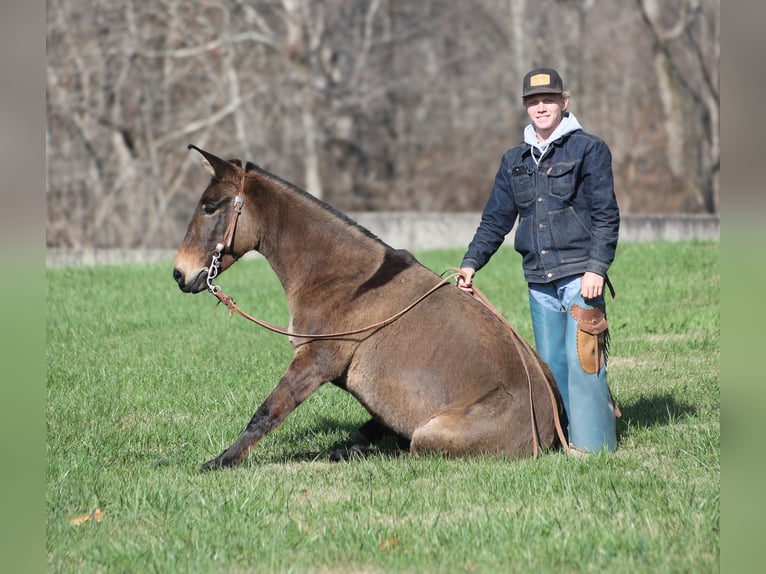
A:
446,375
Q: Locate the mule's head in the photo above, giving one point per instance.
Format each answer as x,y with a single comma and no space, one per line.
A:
209,223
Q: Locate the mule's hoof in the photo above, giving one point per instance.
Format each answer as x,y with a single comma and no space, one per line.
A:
210,465
216,463
355,452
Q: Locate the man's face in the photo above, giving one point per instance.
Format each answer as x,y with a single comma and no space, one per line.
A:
546,112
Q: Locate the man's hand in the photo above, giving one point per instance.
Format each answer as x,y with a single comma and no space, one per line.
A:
465,280
592,285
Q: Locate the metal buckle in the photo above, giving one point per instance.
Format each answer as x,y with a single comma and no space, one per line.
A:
212,272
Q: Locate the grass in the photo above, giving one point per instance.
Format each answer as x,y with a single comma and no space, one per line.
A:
146,383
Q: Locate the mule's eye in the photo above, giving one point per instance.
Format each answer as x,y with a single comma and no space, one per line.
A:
208,209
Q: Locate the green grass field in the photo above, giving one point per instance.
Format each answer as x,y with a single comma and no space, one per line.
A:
145,383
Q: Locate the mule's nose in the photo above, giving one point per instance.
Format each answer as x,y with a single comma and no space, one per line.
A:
179,277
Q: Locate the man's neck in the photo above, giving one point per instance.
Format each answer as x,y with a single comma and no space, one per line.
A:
543,135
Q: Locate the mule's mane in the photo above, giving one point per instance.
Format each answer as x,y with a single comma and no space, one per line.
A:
292,188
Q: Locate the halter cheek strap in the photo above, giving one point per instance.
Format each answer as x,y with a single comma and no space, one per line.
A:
228,239
228,236
220,248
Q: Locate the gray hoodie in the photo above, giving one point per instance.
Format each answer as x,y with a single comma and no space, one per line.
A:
568,124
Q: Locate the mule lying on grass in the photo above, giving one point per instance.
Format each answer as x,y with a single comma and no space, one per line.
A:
445,375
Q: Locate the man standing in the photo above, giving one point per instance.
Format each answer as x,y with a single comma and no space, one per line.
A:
559,186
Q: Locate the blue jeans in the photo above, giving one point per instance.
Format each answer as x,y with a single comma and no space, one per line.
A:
585,394
556,296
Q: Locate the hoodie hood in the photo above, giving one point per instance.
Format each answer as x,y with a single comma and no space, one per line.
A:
568,124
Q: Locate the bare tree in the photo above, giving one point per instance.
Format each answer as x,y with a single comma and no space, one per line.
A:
371,104
686,40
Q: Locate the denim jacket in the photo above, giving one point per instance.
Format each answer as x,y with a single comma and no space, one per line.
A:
568,219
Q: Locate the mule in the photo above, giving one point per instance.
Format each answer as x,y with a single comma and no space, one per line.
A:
444,376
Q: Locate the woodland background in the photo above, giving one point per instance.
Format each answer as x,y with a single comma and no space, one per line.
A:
372,105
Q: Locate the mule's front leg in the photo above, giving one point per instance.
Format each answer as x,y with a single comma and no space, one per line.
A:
294,387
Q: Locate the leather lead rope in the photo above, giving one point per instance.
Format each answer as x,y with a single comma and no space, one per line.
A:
523,349
232,306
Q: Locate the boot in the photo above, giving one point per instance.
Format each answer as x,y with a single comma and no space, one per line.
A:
550,340
590,406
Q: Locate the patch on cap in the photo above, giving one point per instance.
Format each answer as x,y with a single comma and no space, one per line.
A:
540,80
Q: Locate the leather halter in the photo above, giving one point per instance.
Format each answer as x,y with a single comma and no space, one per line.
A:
228,239
228,236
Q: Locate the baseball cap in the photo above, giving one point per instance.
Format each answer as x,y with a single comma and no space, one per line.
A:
542,81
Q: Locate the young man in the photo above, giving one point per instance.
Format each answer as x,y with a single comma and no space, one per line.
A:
559,186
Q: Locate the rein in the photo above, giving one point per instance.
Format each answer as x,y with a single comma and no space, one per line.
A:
522,347
231,305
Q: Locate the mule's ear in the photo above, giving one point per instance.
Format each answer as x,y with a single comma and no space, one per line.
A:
207,165
214,165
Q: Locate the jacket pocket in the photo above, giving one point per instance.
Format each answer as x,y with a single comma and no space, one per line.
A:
522,186
570,235
562,179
